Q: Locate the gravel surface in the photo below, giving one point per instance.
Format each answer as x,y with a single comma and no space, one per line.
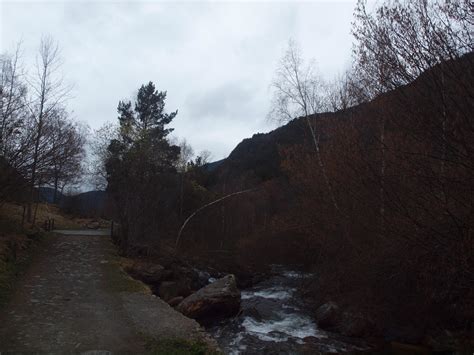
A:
65,302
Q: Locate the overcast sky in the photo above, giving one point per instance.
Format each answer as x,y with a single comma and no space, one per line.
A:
216,60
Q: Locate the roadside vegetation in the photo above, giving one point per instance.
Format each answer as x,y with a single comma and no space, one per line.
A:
18,246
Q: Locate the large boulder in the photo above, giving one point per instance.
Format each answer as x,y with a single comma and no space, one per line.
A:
330,317
213,302
149,273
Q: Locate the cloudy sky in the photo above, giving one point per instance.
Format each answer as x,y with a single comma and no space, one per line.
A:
216,60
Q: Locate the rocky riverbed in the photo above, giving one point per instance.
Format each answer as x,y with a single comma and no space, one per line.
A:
267,316
255,313
273,319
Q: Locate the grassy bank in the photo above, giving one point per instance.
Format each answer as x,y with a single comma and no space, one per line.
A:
14,213
17,249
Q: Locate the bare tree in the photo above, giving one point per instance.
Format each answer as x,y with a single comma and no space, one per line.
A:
205,156
67,139
13,115
298,93
186,153
339,93
48,92
402,39
396,44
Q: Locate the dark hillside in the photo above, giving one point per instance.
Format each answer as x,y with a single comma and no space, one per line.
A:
259,156
394,242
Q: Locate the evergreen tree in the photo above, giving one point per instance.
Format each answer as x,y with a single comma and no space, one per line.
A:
141,164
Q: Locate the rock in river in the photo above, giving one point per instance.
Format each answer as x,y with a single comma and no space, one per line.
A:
215,301
328,315
147,272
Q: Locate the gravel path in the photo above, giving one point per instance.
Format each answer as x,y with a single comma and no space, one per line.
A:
65,302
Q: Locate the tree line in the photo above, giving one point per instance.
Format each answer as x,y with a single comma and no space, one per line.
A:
40,143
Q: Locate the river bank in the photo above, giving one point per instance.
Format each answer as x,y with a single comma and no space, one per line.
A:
274,316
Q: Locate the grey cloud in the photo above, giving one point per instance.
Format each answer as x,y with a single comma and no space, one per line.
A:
215,59
222,100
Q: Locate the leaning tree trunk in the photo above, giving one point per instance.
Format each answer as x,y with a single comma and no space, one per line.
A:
178,238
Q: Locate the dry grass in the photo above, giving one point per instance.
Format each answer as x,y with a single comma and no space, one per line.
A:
17,246
14,212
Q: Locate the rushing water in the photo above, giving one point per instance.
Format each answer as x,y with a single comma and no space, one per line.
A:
274,320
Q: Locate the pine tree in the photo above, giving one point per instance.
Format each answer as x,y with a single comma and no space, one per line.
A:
142,162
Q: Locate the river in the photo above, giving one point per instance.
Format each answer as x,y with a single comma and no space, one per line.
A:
275,320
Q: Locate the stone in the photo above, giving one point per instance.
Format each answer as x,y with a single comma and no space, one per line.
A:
213,302
93,225
328,315
355,325
190,275
149,273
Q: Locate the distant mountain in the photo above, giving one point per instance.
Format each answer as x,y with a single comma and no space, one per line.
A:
259,156
46,194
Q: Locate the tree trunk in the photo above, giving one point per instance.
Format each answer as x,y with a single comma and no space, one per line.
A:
37,203
321,164
33,170
382,177
181,196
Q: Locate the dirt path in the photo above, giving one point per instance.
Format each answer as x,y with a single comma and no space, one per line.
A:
69,302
